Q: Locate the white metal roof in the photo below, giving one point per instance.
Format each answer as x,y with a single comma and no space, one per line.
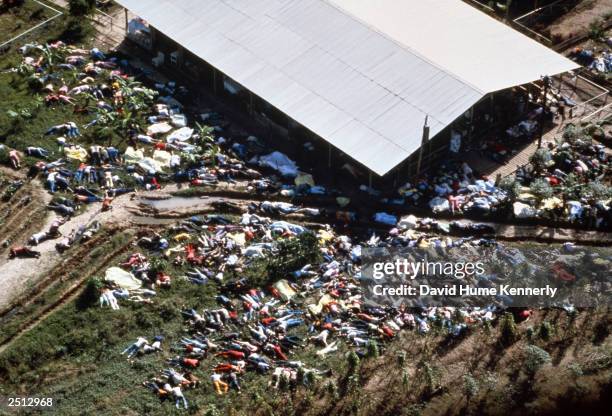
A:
362,74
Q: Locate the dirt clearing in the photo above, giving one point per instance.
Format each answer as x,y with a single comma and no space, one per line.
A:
579,19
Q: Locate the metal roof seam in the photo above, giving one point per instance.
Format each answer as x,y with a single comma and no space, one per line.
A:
405,47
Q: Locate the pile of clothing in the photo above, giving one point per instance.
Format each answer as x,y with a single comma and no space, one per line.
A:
599,62
318,309
576,171
455,189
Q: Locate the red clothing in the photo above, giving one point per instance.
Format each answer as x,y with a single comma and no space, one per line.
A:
163,278
227,368
17,251
268,321
237,355
191,362
387,331
279,352
366,317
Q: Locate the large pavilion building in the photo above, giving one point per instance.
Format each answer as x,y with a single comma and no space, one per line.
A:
361,75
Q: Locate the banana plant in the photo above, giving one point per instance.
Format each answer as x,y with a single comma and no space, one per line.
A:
205,132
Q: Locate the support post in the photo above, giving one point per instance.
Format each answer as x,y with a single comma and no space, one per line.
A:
546,81
329,155
215,81
424,141
575,83
126,20
370,179
471,125
508,4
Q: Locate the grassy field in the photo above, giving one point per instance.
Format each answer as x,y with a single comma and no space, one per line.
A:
19,19
23,115
74,356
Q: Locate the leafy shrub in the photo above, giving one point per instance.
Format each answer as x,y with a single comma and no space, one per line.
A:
575,369
290,255
546,330
74,31
541,188
310,379
540,159
596,190
90,294
508,329
81,7
535,358
373,351
470,386
353,362
511,186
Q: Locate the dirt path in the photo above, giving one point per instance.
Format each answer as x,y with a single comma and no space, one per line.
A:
580,18
17,275
226,200
66,296
27,280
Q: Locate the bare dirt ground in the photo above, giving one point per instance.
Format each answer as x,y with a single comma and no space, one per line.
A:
17,275
579,19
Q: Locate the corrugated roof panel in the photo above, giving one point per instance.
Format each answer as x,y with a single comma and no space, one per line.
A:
361,74
319,115
370,147
461,40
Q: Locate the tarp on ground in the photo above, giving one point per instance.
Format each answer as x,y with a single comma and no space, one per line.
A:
285,290
158,128
279,162
552,203
325,300
523,210
162,157
76,153
239,238
132,155
180,135
155,164
122,278
304,179
150,165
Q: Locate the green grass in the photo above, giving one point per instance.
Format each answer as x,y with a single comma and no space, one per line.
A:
89,342
57,288
34,118
19,19
74,355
